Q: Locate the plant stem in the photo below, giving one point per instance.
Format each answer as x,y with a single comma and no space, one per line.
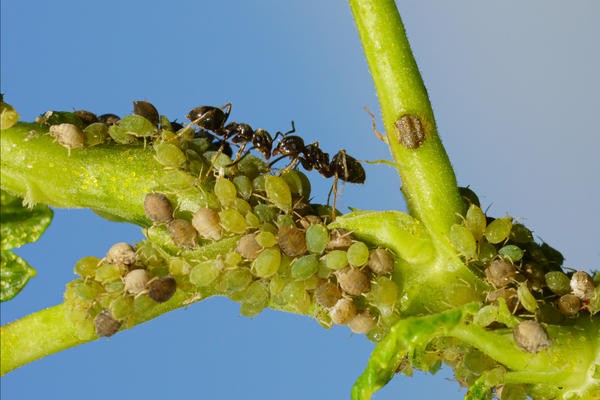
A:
429,184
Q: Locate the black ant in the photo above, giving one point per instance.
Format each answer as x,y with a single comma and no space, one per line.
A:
342,166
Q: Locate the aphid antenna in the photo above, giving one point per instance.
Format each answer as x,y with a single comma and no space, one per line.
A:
380,136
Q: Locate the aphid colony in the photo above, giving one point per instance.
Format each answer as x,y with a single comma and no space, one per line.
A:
525,276
279,251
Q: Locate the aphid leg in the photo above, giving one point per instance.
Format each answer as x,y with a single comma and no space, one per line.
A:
381,137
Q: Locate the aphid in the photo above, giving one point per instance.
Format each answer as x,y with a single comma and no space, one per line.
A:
182,233
146,110
558,282
531,336
317,237
358,254
381,261
233,221
534,274
498,230
292,241
158,207
336,259
526,299
106,324
463,241
582,285
305,267
248,247
162,289
328,294
278,192
362,322
339,239
353,281
409,131
67,135
509,295
207,223
343,311
121,254
136,280
205,273
109,119
500,273
86,117
267,263
569,305
208,117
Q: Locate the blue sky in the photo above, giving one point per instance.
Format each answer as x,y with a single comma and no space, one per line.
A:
514,86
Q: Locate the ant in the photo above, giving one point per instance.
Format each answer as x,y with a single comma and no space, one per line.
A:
342,166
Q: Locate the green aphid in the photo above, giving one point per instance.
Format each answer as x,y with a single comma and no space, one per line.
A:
358,254
317,237
225,191
511,252
88,290
384,295
205,273
463,241
243,184
266,238
295,295
526,298
120,135
122,307
336,259
86,266
475,221
498,230
169,155
8,116
138,126
298,183
265,212
235,280
278,192
109,272
257,294
242,206
95,134
487,252
267,263
232,221
305,267
252,220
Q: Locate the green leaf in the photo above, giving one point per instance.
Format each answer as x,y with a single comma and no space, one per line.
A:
404,338
395,230
20,225
14,275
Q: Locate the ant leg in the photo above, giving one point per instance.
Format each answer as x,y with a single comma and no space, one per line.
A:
228,106
381,137
238,159
277,159
214,160
334,187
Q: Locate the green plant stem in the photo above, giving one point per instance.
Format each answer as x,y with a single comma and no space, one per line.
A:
110,181
429,184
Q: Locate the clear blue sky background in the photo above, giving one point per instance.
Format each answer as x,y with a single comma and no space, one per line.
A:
515,89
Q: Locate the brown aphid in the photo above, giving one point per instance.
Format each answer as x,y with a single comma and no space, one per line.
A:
328,294
121,254
582,285
207,223
339,239
531,336
353,281
381,261
362,322
500,273
535,274
86,117
509,295
307,220
162,289
292,241
146,110
569,305
158,207
136,281
248,247
343,311
409,131
67,135
182,233
109,119
106,324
